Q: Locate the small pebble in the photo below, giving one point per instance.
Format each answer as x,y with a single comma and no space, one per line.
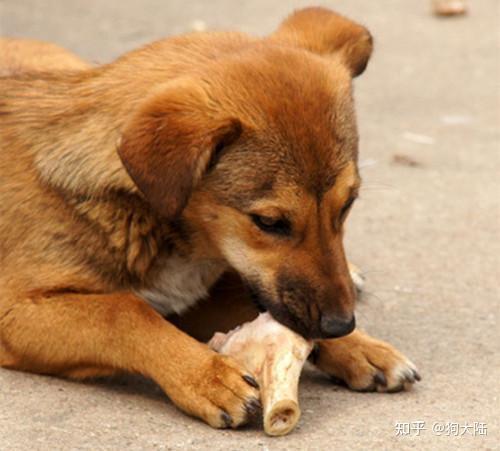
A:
198,25
449,7
405,160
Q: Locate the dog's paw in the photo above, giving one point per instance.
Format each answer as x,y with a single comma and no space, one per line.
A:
365,364
220,392
381,369
358,279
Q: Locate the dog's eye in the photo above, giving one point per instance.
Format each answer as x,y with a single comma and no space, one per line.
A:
346,208
271,225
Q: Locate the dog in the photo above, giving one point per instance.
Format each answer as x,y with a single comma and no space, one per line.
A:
138,199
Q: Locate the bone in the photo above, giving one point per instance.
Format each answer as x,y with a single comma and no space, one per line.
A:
275,355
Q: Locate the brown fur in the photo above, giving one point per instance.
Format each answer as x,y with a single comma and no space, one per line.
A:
19,56
141,180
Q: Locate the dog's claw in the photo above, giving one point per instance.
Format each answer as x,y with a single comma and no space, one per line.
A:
226,419
250,381
380,379
253,408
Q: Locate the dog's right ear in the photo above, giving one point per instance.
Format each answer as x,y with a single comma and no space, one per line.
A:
325,32
170,141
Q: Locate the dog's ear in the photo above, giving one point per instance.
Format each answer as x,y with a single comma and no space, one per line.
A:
169,143
324,32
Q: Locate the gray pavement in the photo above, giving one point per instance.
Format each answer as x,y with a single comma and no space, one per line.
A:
426,235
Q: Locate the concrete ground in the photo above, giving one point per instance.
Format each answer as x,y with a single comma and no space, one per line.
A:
427,236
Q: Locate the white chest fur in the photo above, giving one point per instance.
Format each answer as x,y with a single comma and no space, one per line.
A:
180,283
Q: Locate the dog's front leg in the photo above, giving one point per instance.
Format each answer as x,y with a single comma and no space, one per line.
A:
364,363
359,360
78,336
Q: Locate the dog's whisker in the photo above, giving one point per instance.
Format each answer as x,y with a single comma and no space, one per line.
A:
374,271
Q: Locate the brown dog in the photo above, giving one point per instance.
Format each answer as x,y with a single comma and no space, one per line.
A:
128,190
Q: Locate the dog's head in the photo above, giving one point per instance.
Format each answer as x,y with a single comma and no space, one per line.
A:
256,155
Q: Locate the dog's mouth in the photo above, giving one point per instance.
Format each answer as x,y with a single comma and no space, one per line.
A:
279,312
257,299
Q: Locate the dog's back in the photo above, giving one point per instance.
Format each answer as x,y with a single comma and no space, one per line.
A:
18,56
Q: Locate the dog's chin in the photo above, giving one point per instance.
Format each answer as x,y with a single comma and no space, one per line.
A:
280,313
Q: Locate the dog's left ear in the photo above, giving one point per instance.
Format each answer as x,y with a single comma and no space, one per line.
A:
325,32
170,142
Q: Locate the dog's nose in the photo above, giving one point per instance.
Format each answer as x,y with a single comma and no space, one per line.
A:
335,327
